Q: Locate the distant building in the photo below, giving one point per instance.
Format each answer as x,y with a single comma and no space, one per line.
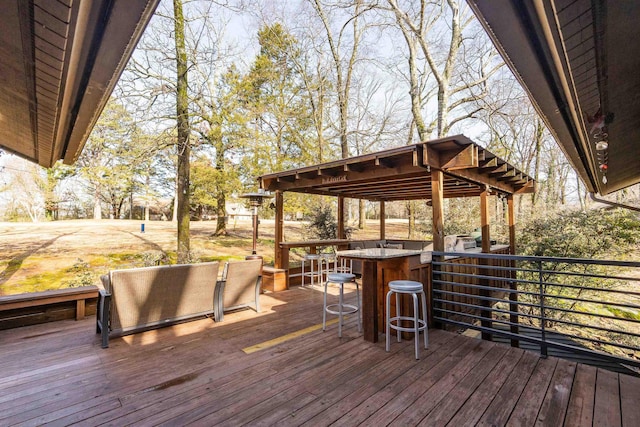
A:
238,211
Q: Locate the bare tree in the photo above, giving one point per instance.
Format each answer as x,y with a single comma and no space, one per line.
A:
458,56
183,146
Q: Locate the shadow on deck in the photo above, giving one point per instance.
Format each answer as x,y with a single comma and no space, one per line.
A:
198,373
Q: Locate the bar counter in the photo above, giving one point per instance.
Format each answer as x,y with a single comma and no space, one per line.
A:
382,265
379,267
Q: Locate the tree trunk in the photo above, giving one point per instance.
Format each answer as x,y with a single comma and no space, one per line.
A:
411,210
97,208
174,214
362,214
536,170
183,146
221,226
221,196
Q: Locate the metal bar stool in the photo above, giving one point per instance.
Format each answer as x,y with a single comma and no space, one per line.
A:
341,308
315,266
412,288
326,259
343,265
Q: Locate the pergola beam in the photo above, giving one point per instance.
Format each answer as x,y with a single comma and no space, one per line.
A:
346,178
437,206
460,158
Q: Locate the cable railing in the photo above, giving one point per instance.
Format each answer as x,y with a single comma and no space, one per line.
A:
581,306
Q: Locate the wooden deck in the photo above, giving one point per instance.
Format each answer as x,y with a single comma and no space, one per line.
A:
197,373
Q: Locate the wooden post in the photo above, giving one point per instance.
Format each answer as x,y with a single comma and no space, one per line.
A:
437,201
483,263
279,232
485,221
370,300
382,221
514,319
512,224
80,309
341,234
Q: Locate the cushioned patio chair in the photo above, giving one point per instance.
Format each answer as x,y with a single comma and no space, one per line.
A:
239,287
137,299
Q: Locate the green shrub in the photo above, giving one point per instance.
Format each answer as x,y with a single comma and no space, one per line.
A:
576,234
324,225
595,234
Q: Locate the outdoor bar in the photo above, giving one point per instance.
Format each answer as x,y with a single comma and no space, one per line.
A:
432,171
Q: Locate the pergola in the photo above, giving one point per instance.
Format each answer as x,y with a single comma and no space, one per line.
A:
449,167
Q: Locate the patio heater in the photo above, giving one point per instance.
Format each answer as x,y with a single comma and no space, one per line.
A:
255,200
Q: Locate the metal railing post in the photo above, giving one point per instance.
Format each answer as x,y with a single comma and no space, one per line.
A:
543,336
513,304
484,294
436,270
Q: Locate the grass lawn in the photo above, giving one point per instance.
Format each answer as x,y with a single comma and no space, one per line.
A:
58,254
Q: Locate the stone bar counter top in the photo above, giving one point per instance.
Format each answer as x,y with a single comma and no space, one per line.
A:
378,253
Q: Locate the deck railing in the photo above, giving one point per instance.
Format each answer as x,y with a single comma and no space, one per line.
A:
582,306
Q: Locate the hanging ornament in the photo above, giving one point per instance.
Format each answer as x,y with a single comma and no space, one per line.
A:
599,122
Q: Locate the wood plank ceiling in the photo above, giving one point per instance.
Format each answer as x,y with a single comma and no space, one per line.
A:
403,173
59,62
579,61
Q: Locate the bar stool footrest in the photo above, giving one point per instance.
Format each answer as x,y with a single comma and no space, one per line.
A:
422,324
346,309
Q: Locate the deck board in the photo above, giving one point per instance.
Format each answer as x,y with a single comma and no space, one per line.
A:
431,388
607,409
477,403
196,373
580,408
554,406
505,400
630,400
447,407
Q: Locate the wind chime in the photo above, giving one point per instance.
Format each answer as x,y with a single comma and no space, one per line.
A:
599,132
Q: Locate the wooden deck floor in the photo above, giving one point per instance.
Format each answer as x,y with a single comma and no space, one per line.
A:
197,373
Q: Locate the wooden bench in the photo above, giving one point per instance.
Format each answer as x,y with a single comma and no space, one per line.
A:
41,307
